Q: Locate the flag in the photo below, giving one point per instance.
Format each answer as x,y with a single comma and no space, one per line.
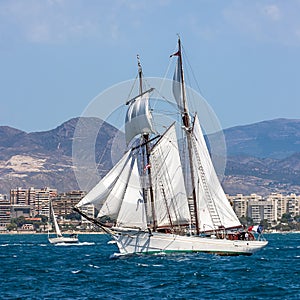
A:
175,54
148,166
260,229
256,228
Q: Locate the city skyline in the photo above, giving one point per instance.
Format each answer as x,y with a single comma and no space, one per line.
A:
32,202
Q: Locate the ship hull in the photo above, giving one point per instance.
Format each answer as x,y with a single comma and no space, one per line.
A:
63,239
141,242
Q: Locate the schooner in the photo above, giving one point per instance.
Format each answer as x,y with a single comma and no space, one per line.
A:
153,202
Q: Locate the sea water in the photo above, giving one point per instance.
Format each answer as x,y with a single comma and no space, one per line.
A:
31,268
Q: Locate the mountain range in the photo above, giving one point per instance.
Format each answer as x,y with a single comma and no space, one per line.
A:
262,157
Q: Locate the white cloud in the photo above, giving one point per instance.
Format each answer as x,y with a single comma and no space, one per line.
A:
277,22
56,21
272,11
62,21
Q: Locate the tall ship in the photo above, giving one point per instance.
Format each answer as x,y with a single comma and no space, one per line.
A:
164,195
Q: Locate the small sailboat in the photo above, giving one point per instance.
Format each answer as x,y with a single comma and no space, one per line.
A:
159,198
59,238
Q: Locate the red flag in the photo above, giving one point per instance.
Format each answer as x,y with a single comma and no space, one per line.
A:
147,167
175,54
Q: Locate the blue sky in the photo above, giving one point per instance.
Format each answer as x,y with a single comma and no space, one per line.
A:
57,55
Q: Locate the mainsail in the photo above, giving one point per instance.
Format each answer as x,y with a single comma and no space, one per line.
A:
171,204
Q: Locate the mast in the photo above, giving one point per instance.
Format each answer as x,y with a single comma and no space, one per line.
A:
49,212
147,158
187,125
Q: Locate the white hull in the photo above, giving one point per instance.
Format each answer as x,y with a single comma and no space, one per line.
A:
63,239
141,242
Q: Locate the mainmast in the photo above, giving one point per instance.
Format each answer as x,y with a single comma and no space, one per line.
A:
147,158
140,72
187,124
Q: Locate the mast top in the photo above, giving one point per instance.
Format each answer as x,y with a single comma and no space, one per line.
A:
140,72
139,62
179,43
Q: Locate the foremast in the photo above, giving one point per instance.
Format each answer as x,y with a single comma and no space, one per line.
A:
182,104
146,156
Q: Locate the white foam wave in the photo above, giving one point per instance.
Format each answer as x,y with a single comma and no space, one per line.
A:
76,244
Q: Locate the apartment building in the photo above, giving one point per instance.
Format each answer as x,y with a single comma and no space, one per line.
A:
41,200
37,200
240,204
280,204
261,210
270,208
21,196
63,203
88,210
4,212
293,203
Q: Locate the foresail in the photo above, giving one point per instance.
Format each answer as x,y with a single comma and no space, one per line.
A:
114,199
214,209
101,191
132,213
171,206
138,118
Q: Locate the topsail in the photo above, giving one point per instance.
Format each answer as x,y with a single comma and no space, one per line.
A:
177,84
138,118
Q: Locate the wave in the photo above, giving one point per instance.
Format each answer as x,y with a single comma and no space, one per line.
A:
76,244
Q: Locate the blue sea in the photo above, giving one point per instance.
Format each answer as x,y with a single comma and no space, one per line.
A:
31,268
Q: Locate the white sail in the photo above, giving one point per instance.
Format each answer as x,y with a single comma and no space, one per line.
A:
58,232
132,212
112,204
102,190
171,206
214,209
138,119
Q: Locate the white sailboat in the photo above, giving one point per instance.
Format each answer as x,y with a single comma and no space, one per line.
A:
59,238
153,204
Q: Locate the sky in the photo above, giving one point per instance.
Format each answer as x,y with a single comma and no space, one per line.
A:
57,55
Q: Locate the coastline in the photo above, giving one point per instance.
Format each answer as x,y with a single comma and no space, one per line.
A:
46,233
100,232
